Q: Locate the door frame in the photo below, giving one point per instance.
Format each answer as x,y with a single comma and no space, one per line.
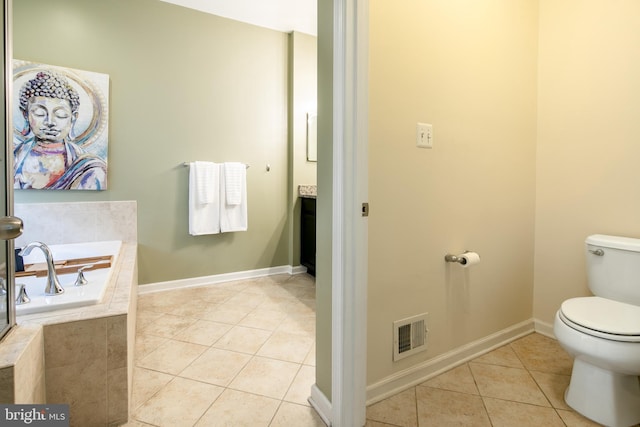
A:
349,234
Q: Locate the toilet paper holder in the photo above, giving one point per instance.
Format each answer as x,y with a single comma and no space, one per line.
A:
456,258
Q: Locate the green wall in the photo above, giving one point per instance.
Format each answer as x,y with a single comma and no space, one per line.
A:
324,212
185,86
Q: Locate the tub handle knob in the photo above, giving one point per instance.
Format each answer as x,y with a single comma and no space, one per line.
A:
22,297
81,280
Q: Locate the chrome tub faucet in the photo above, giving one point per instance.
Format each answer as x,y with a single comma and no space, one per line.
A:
53,284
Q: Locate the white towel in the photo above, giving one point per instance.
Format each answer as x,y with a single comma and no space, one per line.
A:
234,177
233,217
207,175
204,218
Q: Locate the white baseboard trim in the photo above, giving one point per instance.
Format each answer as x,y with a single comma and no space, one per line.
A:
321,404
420,373
544,328
219,278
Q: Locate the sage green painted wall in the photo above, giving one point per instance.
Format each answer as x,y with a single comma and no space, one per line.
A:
324,208
185,86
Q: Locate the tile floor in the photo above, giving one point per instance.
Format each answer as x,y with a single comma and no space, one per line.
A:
521,384
232,354
243,354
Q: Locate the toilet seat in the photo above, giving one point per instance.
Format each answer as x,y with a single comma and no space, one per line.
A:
603,318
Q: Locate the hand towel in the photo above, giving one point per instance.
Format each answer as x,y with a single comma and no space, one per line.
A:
234,175
204,218
233,217
206,180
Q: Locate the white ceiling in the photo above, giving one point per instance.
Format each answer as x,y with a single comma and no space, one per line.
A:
281,15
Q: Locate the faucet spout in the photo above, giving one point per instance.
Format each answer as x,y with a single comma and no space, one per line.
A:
53,284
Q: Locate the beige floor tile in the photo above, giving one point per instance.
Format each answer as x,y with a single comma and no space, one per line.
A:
371,423
172,356
553,386
203,332
168,325
193,309
225,313
399,409
145,344
544,354
458,379
311,356
508,414
236,408
503,356
306,293
180,403
214,295
146,318
276,303
216,366
243,340
448,408
286,346
300,389
161,302
268,290
146,383
302,278
300,325
507,383
245,300
573,419
301,308
290,414
263,319
135,423
266,377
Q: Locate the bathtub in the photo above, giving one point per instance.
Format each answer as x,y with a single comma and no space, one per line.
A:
73,296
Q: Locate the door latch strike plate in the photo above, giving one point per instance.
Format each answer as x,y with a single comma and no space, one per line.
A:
365,209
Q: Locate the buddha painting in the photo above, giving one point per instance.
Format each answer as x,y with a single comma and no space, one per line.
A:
59,143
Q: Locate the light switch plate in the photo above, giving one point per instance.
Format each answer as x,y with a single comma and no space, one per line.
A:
424,135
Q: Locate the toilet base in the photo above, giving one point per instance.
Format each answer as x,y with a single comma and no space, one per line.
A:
607,397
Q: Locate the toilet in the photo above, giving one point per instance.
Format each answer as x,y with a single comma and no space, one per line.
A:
602,333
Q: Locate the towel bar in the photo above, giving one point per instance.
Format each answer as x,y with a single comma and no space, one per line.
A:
186,164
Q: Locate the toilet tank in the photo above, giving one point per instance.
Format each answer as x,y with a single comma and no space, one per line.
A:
613,267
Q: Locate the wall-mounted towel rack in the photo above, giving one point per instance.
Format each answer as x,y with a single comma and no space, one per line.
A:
186,164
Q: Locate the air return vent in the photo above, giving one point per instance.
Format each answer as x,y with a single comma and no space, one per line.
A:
409,336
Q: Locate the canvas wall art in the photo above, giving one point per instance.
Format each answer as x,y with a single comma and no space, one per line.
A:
61,127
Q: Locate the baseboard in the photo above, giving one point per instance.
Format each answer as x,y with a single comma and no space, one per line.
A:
544,328
417,374
321,404
219,278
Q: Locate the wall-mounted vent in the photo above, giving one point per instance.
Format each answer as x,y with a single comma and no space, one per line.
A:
409,336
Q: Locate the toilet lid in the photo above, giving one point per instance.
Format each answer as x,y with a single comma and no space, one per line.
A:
604,315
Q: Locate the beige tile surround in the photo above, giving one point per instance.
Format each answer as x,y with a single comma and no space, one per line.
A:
87,351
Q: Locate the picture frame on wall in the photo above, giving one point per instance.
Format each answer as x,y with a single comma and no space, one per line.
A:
61,127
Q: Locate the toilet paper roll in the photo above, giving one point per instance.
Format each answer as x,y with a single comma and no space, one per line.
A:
469,259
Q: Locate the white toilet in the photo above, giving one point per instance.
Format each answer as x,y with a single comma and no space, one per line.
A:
602,333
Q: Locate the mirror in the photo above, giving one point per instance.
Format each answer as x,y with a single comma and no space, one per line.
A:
6,246
312,137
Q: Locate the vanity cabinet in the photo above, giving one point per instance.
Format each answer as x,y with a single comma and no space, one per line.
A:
308,234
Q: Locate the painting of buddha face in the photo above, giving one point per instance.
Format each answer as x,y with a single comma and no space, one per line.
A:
60,128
